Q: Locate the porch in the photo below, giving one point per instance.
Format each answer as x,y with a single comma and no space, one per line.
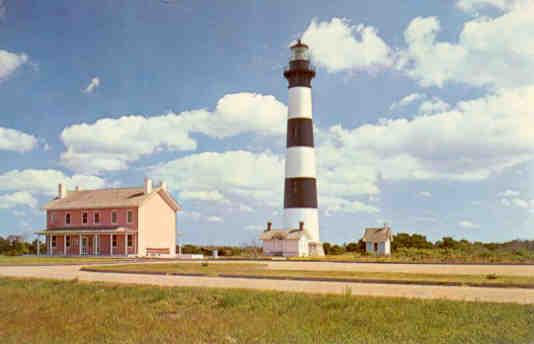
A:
100,242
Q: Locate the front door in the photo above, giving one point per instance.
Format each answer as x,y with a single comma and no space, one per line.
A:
84,246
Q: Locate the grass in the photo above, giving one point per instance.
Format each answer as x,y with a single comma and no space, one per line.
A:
34,260
429,256
41,311
215,269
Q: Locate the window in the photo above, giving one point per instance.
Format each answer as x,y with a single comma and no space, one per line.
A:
130,216
130,240
67,243
85,217
96,218
376,246
113,217
53,241
114,241
52,218
67,219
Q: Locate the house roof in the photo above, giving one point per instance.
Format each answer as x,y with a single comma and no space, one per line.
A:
108,198
377,234
88,230
282,234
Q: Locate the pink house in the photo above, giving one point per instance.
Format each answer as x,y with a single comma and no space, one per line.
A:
112,222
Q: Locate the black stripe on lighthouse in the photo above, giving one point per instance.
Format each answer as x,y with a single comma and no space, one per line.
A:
299,132
300,193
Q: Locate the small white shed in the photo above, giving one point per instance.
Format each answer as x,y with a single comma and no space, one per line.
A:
378,240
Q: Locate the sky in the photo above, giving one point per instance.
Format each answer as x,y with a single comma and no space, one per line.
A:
422,109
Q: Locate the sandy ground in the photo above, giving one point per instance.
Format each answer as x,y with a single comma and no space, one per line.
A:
511,295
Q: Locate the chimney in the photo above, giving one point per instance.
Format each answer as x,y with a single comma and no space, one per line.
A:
163,185
301,225
269,226
148,186
61,191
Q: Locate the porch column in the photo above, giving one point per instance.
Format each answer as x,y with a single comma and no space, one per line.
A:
80,245
38,246
111,244
50,245
125,244
95,249
64,244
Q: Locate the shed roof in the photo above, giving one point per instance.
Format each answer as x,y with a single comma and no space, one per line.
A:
282,234
377,234
108,198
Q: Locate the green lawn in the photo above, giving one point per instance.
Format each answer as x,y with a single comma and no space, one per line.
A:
40,311
34,260
215,269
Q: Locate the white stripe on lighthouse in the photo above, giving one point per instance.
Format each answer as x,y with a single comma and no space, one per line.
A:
299,102
300,162
310,217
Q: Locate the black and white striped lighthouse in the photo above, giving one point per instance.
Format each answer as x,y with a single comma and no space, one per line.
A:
300,194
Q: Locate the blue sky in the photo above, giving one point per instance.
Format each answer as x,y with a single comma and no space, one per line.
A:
421,109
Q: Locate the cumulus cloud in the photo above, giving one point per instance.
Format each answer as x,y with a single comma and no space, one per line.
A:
95,82
10,62
469,142
18,141
337,45
45,182
434,105
235,174
468,224
202,195
17,199
214,219
110,144
493,52
407,100
507,5
425,194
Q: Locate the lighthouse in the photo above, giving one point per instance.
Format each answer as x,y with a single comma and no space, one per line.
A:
300,190
300,235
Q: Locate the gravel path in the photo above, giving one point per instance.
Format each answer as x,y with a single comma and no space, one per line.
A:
512,295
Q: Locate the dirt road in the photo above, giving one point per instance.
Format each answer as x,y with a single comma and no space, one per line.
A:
511,295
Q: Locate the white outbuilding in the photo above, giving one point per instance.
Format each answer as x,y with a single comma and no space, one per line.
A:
295,242
378,240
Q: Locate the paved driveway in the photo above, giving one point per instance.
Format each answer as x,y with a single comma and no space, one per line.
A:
512,295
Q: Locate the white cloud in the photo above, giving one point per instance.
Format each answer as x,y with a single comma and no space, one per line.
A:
425,194
10,62
235,174
509,193
202,195
254,228
473,5
468,224
473,140
340,205
337,45
434,105
405,101
20,198
95,82
110,144
214,219
45,182
495,52
14,140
